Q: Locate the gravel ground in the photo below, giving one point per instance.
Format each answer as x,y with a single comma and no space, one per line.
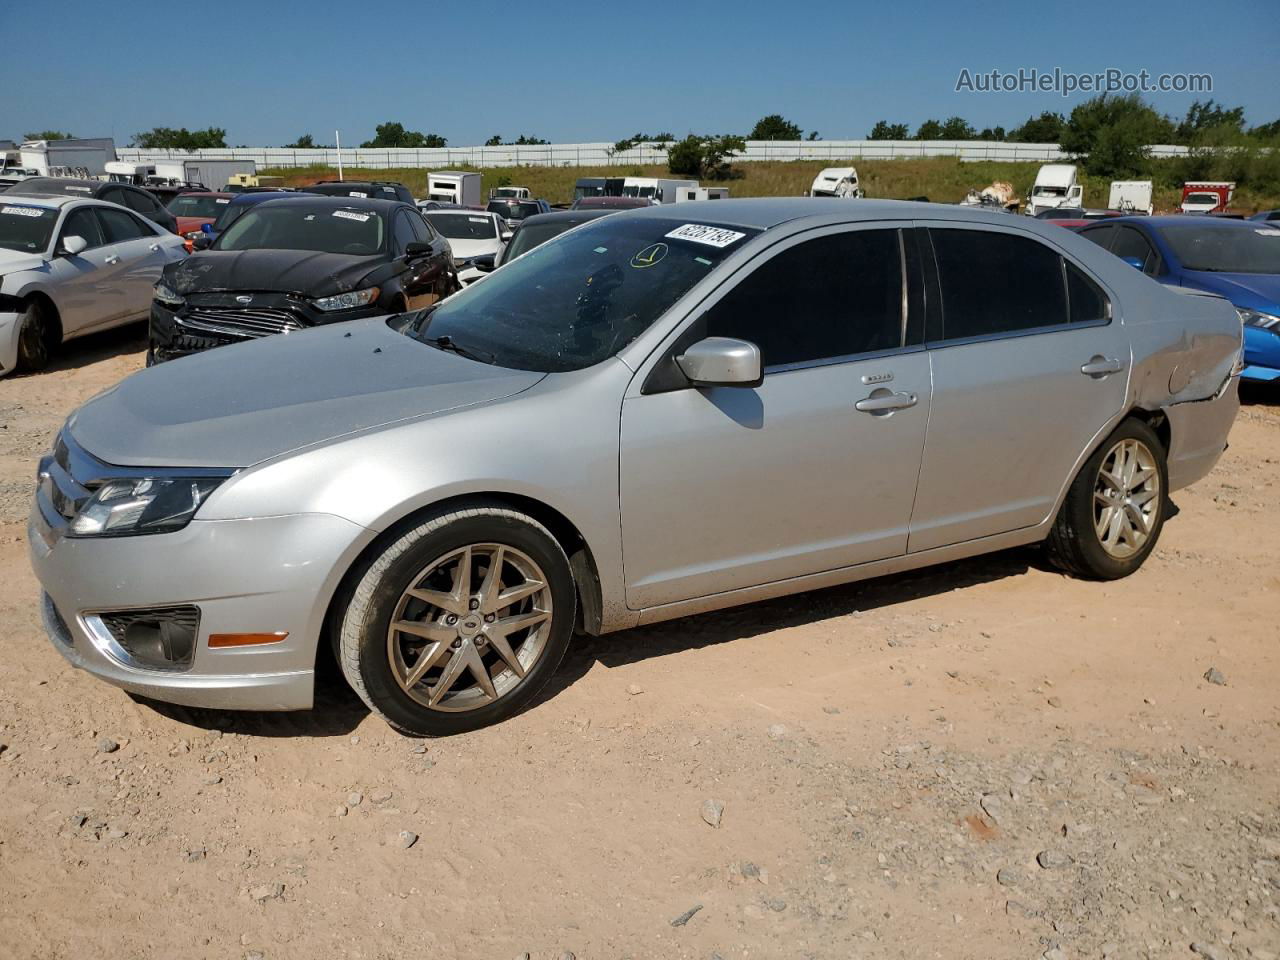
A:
983,760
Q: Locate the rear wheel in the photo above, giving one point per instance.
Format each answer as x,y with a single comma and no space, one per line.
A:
460,621
35,338
1115,509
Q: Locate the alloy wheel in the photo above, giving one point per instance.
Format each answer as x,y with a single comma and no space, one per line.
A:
1126,498
469,627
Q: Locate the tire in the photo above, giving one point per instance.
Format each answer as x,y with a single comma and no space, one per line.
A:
35,346
1090,542
454,626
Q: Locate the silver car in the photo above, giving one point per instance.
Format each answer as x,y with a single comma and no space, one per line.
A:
652,415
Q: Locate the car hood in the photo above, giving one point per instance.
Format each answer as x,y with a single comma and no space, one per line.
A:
242,404
1254,291
15,261
278,271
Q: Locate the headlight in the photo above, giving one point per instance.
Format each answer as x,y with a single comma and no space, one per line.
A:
1255,318
347,301
166,295
126,507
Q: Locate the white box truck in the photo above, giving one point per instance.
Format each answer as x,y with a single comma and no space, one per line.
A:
68,158
214,174
1131,196
657,189
1055,187
454,186
836,182
685,194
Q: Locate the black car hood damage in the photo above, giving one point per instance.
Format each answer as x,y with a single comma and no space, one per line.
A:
242,404
280,271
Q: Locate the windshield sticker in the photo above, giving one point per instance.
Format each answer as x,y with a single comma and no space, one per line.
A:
348,215
600,250
477,219
23,211
81,189
221,200
711,236
702,260
357,193
654,253
1268,232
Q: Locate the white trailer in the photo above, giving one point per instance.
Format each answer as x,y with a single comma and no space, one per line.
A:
1131,196
1055,187
454,186
684,194
657,189
64,158
836,182
214,174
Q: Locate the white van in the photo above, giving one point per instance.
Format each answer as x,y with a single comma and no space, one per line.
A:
657,189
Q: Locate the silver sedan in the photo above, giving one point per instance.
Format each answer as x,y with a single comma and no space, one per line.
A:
71,266
653,415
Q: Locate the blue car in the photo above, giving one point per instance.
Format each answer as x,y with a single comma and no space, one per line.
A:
1236,259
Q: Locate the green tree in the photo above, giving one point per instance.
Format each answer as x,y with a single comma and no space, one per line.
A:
704,157
49,135
1113,133
1046,128
640,138
304,142
494,141
883,130
525,140
1208,116
813,135
956,128
1266,131
775,127
992,133
169,138
391,134
929,130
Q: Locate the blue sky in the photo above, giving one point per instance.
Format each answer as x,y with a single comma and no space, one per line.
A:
572,71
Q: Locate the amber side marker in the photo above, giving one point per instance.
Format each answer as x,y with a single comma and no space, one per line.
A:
245,639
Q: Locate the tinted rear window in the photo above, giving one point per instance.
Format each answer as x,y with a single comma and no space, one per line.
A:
995,283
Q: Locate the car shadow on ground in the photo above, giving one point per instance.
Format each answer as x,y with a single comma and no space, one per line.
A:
736,623
1256,393
93,348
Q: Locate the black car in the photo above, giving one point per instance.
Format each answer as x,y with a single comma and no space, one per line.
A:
361,189
135,198
295,262
537,230
513,211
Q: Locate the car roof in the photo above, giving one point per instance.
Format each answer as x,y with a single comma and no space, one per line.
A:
1184,220
458,211
52,201
572,216
369,204
763,213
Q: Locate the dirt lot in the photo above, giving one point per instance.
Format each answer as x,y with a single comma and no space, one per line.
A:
985,760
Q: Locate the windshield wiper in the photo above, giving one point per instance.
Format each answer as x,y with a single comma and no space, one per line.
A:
448,344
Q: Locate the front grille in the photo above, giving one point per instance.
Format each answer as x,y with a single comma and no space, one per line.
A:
161,638
242,322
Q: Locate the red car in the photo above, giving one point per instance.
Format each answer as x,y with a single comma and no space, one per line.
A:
194,210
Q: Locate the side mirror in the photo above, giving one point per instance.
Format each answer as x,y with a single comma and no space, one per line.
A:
414,251
722,362
484,264
507,235
72,246
1136,262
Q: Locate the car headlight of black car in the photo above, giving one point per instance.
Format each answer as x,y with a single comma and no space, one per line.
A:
121,508
347,301
167,295
1256,318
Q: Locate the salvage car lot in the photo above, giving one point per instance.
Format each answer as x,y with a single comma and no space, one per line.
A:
881,753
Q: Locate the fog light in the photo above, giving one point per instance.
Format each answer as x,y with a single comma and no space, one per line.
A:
162,638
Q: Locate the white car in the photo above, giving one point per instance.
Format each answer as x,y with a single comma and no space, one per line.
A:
71,266
471,234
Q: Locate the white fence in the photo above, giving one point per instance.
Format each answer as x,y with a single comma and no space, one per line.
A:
603,154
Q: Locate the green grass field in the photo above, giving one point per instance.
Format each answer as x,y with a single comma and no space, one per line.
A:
941,179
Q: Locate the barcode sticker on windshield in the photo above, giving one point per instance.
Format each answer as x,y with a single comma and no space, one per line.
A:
23,211
348,215
221,200
711,236
357,193
478,219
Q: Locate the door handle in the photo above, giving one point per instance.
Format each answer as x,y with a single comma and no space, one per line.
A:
112,259
1100,366
155,248
886,402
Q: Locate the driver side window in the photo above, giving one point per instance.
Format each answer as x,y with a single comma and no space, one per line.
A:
403,233
81,223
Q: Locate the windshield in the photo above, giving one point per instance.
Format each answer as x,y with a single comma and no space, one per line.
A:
581,298
1043,191
1209,198
513,209
459,226
1226,250
300,226
195,205
26,229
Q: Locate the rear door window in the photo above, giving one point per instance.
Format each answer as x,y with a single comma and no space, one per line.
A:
1132,244
119,226
997,283
831,297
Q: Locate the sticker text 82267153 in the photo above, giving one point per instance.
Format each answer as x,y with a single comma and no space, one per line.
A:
711,236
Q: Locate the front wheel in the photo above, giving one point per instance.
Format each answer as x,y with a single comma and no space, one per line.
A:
459,622
34,346
1115,509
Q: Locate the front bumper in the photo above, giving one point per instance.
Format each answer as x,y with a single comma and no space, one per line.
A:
246,576
1261,354
10,330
